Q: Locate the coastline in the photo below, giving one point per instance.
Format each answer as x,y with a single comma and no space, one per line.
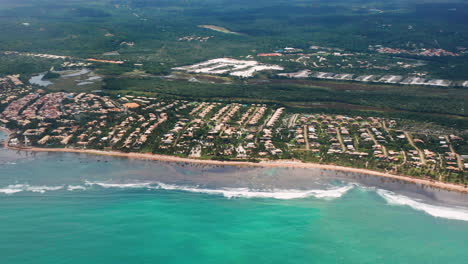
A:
266,164
8,133
5,130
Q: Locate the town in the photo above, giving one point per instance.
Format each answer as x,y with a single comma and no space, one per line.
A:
223,131
385,79
336,64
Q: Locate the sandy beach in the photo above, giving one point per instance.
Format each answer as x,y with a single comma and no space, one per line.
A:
269,164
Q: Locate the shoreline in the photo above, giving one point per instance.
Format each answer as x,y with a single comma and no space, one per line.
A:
265,164
8,133
5,130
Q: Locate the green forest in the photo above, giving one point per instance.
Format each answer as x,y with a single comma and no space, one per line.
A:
148,33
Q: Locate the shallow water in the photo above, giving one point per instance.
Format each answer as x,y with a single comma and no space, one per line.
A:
75,208
37,80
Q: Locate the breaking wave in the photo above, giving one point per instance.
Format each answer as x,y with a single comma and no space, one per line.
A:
16,188
332,193
276,194
10,189
236,192
76,188
144,185
454,213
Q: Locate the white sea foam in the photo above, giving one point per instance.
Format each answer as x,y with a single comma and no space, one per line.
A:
276,194
10,189
43,189
233,192
331,193
120,185
76,188
455,213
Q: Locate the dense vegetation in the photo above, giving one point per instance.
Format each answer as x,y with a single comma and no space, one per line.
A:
80,27
84,28
403,98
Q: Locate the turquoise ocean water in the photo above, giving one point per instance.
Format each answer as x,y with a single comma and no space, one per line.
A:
70,208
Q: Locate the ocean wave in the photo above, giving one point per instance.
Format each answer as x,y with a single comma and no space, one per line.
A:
122,185
454,213
10,189
232,192
276,194
76,188
331,193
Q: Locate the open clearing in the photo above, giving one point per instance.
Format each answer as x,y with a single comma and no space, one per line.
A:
219,29
233,67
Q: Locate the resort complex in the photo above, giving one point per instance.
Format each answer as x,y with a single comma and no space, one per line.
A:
233,131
